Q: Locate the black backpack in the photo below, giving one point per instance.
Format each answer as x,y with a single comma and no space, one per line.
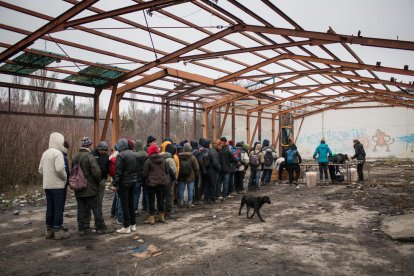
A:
185,168
206,158
268,159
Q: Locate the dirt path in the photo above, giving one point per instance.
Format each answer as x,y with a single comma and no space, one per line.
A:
321,231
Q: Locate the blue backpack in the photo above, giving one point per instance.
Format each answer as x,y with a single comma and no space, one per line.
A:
291,156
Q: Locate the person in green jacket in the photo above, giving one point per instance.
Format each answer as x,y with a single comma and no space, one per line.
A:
322,151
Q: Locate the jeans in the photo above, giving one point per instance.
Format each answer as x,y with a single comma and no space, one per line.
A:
360,167
85,204
210,186
126,194
225,179
293,168
190,189
323,168
267,175
238,180
199,187
232,188
116,210
157,191
137,194
254,178
168,197
55,204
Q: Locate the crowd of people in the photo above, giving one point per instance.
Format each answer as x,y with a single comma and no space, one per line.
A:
160,173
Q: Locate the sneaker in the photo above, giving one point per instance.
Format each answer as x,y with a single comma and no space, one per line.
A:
119,222
229,196
105,230
60,235
190,205
233,194
133,228
181,204
124,230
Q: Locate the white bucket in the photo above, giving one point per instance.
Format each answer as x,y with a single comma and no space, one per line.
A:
354,174
311,179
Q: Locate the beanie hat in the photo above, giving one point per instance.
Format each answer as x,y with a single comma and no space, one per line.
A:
193,144
323,141
102,146
86,142
138,145
246,147
131,144
171,149
183,142
187,148
151,139
223,139
266,143
153,149
168,139
231,143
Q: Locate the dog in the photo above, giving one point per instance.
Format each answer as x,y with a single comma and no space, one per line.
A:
254,202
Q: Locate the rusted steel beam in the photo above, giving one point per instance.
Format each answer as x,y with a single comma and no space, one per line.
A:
213,124
327,108
117,12
45,115
273,132
233,122
300,127
205,124
55,23
303,72
96,117
108,114
366,41
147,79
248,129
372,80
167,119
224,120
174,54
194,121
115,120
186,92
255,127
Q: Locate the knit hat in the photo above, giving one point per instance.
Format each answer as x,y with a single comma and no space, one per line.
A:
187,148
131,144
102,146
168,139
153,149
266,143
151,139
204,142
171,149
223,139
183,142
194,144
86,142
246,147
231,143
323,141
138,145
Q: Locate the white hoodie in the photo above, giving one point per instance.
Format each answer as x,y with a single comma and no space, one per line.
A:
52,164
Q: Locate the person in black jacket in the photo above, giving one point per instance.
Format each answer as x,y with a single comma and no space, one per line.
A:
336,159
293,164
212,189
125,180
139,186
226,160
360,156
102,158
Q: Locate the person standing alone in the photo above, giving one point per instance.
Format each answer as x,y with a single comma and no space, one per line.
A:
360,156
322,151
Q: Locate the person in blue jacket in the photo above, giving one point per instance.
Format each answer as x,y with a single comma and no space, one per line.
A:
322,151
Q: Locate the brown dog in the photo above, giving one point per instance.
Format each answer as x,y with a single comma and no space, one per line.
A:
254,202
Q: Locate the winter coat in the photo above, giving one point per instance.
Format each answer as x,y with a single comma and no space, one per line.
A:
258,151
214,160
52,163
142,156
91,171
244,160
194,165
274,154
337,159
227,159
322,151
126,166
156,171
103,162
359,152
171,164
298,158
279,162
176,159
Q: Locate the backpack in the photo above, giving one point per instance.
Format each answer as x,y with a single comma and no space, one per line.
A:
112,166
77,180
268,159
254,159
206,158
185,168
291,156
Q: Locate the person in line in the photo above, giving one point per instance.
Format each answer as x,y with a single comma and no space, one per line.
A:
189,172
360,156
87,199
52,168
216,174
202,156
293,159
241,170
226,161
125,180
169,153
102,158
256,159
212,163
322,151
156,175
269,156
139,186
116,209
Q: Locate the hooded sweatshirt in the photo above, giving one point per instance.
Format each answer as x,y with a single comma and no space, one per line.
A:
187,155
176,159
359,151
126,166
322,151
52,163
155,169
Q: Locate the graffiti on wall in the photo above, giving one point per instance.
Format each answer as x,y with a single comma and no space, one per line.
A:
409,139
381,139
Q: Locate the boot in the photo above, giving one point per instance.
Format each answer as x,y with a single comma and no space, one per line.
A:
150,220
60,235
161,218
50,234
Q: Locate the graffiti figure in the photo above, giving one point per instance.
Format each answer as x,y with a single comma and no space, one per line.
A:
382,140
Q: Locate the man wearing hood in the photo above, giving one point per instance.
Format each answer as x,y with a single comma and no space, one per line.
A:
256,160
139,186
322,151
156,174
125,180
168,154
293,159
360,156
52,168
270,156
241,170
87,199
201,154
214,168
226,161
189,172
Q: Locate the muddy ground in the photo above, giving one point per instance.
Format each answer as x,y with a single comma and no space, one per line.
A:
331,230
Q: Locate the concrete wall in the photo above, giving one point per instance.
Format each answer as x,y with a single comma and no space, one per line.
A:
385,132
